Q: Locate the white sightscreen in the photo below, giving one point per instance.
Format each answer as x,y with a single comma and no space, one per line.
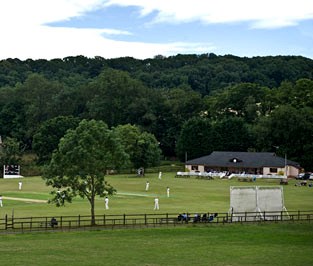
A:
257,199
270,198
243,199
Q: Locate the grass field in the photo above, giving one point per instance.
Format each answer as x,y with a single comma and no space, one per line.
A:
186,195
266,244
253,244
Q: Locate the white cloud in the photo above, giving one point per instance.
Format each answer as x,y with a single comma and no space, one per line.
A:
25,32
48,42
34,12
261,13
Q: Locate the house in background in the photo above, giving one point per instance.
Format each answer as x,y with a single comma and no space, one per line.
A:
257,163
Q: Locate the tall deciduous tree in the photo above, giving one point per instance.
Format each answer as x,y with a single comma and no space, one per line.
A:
117,99
37,93
196,138
200,136
79,165
176,107
11,151
242,100
289,129
142,147
47,137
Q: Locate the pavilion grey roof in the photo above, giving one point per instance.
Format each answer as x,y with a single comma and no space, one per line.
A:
242,159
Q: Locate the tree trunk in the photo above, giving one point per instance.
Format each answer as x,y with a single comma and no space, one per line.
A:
92,201
92,209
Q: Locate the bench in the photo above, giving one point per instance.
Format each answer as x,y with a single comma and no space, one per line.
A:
46,224
168,220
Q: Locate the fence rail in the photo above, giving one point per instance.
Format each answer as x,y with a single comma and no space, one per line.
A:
10,224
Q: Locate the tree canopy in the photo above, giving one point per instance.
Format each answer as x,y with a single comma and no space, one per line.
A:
47,137
80,163
161,96
142,147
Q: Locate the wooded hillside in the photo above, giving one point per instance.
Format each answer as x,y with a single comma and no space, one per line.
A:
193,104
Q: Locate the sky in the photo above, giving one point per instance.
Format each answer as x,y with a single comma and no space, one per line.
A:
48,29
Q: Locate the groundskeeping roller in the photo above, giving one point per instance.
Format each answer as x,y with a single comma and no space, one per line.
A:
253,203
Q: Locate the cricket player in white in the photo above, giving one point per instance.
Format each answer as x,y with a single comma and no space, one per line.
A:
156,203
147,185
106,201
20,185
160,175
168,192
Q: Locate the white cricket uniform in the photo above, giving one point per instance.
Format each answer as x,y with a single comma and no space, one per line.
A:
156,203
106,201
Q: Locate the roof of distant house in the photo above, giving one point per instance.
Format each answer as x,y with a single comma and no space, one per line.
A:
242,159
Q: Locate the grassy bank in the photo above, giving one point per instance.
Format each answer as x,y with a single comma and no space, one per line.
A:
270,244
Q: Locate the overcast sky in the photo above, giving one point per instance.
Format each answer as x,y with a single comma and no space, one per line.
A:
49,29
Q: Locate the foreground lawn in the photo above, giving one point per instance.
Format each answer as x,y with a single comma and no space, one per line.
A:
264,244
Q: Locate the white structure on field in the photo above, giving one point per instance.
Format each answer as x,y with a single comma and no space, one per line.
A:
12,171
256,203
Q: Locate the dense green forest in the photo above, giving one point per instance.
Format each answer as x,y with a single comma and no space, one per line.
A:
192,104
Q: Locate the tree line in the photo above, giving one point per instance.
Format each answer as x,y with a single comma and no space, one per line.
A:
186,104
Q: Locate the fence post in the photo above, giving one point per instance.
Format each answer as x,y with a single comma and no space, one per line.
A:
124,219
167,218
145,219
6,222
103,219
79,220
